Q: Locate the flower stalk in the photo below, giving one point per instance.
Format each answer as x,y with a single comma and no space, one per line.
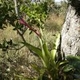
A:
23,22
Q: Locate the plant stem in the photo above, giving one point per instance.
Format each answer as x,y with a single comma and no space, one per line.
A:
21,35
16,8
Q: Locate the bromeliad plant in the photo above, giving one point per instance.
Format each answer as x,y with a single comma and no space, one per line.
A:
48,58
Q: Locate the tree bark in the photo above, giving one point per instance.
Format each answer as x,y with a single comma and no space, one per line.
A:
70,35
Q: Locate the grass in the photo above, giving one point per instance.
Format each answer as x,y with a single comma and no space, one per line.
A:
54,23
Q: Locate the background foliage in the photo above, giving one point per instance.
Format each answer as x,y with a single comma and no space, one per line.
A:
23,54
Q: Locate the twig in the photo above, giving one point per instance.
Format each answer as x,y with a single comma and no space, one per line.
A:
21,35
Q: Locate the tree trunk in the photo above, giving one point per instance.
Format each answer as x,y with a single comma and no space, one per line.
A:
70,35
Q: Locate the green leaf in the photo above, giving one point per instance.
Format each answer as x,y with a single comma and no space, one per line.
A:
74,61
68,68
45,47
53,54
63,63
34,49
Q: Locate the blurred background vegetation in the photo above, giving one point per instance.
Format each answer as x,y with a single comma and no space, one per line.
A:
15,63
